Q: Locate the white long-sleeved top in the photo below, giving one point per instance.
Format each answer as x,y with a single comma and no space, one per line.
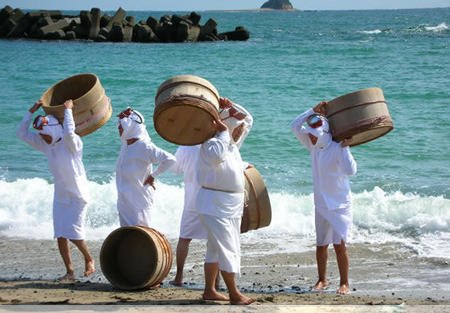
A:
248,120
186,164
221,171
133,167
64,158
330,168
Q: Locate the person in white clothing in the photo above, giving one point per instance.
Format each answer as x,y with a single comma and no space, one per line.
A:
190,227
332,163
220,200
64,151
135,176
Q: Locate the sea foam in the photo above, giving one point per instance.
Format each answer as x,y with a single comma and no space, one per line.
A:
419,222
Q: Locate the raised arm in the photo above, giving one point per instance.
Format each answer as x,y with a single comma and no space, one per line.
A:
24,133
248,120
297,128
215,149
72,140
297,125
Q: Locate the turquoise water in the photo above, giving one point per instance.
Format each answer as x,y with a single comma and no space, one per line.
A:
292,61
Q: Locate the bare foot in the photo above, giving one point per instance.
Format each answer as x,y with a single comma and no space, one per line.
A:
343,290
90,268
215,296
243,300
176,282
70,276
320,286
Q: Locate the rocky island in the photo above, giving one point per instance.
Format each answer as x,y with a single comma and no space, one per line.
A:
284,5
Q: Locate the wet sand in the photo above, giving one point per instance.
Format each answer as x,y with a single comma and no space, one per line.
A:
29,269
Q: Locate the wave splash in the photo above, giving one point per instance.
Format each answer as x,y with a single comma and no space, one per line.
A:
420,223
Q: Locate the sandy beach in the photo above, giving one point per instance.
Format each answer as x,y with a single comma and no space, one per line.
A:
29,269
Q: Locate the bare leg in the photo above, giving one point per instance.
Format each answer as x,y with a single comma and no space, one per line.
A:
64,250
322,258
343,264
182,253
88,260
217,283
236,297
211,272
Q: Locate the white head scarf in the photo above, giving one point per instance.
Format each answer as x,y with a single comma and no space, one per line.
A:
132,128
322,133
53,129
231,122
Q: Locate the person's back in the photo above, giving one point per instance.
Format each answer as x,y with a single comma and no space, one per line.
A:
190,226
186,164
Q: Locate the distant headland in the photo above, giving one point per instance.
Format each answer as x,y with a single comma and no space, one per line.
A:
93,25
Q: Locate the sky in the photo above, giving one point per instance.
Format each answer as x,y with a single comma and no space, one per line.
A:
204,5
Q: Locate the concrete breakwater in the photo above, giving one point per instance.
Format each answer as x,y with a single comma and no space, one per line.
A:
96,26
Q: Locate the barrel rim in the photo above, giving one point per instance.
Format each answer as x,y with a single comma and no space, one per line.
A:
167,84
111,236
250,173
97,82
357,91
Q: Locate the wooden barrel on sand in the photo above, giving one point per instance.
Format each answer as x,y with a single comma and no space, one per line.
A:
135,257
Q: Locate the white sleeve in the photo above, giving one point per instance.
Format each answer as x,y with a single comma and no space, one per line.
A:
297,126
31,138
177,167
346,161
72,140
214,150
248,120
163,158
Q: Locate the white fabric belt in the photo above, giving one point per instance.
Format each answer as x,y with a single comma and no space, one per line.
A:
228,191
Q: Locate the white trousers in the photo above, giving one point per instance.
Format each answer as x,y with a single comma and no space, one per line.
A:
223,245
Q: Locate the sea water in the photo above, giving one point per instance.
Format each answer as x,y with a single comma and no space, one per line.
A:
293,60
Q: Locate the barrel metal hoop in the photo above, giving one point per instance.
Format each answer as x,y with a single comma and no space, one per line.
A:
185,82
182,97
182,102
